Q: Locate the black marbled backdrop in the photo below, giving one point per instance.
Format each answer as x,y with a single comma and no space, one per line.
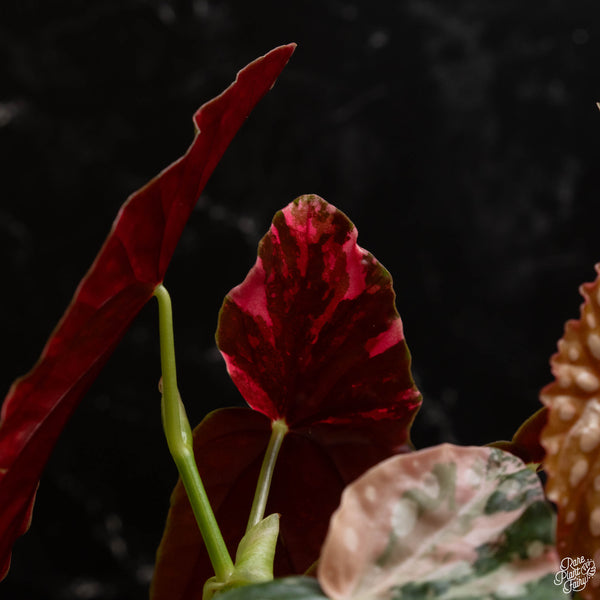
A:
460,136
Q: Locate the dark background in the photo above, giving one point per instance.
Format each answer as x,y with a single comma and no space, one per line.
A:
461,136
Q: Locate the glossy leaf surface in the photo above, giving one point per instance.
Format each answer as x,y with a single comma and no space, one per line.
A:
311,336
447,522
131,263
572,436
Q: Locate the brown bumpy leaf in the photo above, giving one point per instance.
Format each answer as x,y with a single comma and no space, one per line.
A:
572,435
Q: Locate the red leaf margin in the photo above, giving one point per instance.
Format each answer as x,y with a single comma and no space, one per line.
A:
123,277
311,336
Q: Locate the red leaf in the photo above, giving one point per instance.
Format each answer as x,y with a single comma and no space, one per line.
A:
131,263
311,336
312,470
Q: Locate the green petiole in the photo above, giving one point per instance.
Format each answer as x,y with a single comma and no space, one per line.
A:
179,439
257,512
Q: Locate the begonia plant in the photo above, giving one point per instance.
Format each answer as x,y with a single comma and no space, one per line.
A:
315,491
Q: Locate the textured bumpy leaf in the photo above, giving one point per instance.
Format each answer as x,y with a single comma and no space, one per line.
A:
445,523
131,263
572,436
311,336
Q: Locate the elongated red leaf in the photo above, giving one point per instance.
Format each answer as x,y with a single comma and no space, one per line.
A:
311,336
572,436
130,265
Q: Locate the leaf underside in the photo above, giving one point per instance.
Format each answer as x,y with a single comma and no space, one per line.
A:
131,263
312,337
572,435
447,522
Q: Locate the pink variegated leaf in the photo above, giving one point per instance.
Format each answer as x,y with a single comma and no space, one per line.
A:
446,522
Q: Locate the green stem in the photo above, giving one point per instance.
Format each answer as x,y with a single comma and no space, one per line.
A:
179,438
257,512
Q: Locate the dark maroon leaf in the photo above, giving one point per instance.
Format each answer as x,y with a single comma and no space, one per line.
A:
526,442
229,445
121,280
310,476
311,336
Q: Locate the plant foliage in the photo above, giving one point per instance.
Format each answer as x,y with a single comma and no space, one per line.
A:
129,266
312,337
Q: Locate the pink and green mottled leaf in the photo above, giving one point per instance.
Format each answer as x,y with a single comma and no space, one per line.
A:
312,336
129,266
447,522
572,435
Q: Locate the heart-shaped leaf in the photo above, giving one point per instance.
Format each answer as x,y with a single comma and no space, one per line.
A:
572,435
447,522
312,337
131,263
